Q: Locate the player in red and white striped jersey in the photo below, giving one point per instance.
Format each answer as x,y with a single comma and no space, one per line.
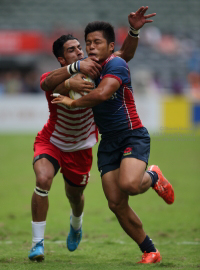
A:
66,140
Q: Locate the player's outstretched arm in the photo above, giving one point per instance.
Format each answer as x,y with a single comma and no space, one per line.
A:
103,92
136,20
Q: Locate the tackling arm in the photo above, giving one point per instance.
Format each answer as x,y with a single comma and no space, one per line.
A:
55,80
103,92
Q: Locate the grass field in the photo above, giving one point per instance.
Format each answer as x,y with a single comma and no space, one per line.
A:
175,229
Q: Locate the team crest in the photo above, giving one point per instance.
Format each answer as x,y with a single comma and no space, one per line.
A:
128,151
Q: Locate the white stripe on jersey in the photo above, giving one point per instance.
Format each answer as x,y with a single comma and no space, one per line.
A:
75,115
67,147
74,129
72,132
126,107
74,121
71,139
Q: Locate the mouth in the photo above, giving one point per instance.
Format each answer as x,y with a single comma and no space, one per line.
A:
91,54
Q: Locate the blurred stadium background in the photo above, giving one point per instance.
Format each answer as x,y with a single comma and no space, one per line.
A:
166,79
165,70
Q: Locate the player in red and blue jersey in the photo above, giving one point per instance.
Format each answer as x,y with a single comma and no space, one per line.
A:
125,144
118,113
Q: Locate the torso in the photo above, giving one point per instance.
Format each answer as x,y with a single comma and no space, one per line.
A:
117,114
69,129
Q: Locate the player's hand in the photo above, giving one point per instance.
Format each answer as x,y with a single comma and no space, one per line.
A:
62,100
79,85
138,19
90,67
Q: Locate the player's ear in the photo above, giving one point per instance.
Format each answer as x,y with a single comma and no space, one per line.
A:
111,46
62,61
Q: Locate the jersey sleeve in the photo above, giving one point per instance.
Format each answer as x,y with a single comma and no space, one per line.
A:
117,68
43,77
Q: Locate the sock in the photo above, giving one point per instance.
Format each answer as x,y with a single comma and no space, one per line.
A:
38,229
147,245
76,222
154,177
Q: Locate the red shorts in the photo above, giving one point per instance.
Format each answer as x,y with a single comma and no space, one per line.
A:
75,166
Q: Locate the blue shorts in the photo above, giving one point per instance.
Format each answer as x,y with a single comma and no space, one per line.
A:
132,143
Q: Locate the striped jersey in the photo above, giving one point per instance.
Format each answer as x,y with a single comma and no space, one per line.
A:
118,113
69,129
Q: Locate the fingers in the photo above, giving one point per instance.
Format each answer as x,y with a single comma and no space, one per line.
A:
56,100
150,15
87,90
140,9
94,73
94,58
57,95
88,85
143,11
148,21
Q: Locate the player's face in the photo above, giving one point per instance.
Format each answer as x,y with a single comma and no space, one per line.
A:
97,45
72,52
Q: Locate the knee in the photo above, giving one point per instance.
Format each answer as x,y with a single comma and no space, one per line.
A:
44,181
131,187
116,207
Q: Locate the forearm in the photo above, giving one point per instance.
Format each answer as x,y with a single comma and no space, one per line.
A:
128,48
61,89
92,99
55,78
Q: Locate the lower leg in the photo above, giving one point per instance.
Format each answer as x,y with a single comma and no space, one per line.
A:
132,225
76,199
39,207
77,213
77,204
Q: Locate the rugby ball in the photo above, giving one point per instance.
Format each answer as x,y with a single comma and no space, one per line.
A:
74,95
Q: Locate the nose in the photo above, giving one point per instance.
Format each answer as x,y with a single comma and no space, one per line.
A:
91,47
79,51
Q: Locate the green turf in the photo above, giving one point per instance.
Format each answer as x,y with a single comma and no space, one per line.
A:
175,229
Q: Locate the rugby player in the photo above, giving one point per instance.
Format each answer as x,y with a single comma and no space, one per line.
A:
125,143
66,140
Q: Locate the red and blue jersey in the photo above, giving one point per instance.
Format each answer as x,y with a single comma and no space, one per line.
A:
118,113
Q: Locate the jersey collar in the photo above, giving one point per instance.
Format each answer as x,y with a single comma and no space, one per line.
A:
108,59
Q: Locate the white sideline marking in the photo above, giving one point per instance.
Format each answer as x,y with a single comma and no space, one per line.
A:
114,241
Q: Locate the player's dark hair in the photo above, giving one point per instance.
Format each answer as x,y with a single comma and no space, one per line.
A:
58,49
106,28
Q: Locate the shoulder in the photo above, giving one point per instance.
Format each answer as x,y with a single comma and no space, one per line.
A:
44,75
116,61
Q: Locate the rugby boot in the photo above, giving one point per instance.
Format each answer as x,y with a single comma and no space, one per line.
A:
37,252
163,186
152,257
74,238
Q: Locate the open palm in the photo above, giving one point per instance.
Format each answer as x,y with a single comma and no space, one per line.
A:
138,19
